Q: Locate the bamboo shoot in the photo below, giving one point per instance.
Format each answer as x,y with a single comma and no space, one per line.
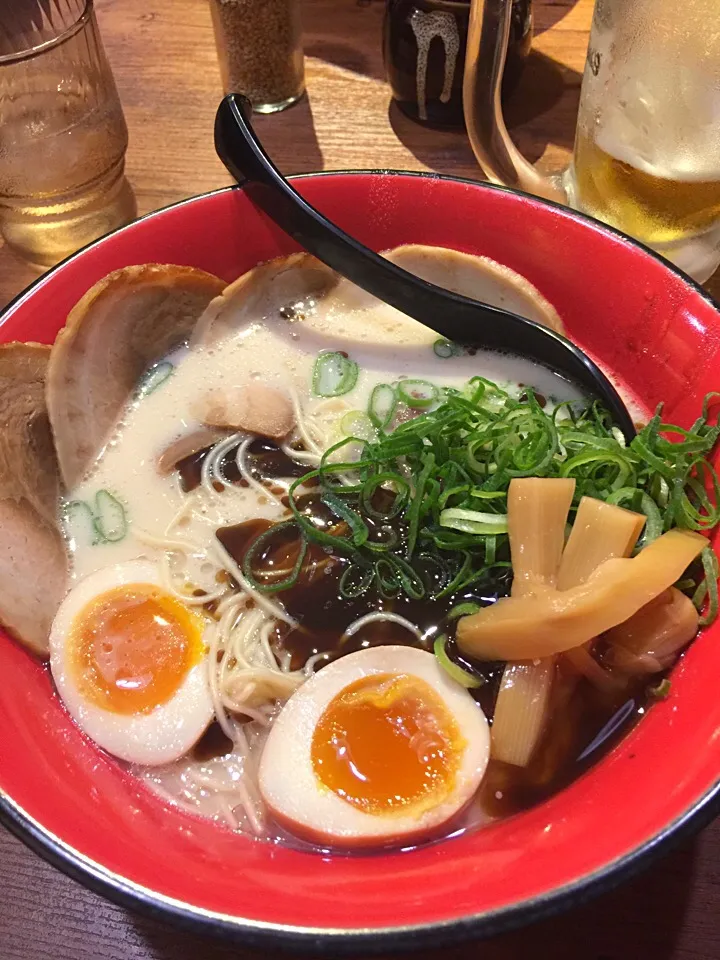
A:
521,710
537,514
526,627
600,532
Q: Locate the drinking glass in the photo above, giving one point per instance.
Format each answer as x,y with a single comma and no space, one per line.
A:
647,145
62,132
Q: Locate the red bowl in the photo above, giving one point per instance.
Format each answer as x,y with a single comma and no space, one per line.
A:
660,335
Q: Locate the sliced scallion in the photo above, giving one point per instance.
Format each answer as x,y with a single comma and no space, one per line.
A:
708,588
473,521
383,401
468,680
661,691
110,521
355,581
260,544
417,394
154,378
358,425
80,524
463,610
334,374
444,349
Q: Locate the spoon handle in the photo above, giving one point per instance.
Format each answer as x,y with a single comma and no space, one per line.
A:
451,315
243,155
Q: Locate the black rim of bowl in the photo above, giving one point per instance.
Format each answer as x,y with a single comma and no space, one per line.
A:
350,941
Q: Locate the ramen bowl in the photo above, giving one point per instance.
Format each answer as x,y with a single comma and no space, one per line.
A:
659,335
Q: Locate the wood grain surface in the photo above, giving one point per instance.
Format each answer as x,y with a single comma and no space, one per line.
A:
164,61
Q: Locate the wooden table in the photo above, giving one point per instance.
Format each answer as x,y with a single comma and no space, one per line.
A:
163,57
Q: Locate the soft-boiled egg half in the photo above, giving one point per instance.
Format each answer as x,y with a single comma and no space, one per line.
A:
379,747
129,661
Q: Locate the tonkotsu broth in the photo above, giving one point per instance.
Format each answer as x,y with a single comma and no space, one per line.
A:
282,358
215,780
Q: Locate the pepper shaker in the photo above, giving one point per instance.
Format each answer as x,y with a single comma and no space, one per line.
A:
259,46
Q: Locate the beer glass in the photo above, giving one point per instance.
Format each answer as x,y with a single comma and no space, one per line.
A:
647,143
62,131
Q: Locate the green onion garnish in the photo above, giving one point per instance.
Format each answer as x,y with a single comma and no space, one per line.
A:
381,408
358,425
453,670
445,349
422,509
110,520
661,691
81,523
463,610
334,374
418,394
708,587
155,377
273,580
472,521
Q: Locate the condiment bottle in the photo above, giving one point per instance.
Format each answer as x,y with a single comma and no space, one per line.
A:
259,45
424,51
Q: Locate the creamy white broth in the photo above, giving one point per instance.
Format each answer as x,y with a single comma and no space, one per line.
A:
282,356
278,354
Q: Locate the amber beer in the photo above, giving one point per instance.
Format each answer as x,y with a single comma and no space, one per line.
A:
62,139
655,205
647,145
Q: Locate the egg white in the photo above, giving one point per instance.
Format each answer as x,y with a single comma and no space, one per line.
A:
158,737
308,809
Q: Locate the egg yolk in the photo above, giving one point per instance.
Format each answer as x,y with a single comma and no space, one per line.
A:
131,648
388,744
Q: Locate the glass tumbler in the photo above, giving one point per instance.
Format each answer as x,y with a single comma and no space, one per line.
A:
62,132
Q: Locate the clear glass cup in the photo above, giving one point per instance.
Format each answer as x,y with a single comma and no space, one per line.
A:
62,132
647,146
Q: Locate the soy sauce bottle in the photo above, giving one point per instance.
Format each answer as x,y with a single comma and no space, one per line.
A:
424,52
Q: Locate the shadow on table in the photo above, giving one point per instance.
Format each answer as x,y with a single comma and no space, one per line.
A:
325,35
433,147
289,138
15,274
543,107
541,110
344,55
642,920
547,14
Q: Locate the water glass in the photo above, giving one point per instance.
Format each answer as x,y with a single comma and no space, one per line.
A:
62,132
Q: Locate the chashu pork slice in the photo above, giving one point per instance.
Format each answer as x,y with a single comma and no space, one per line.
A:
28,465
300,288
33,574
33,564
287,288
122,325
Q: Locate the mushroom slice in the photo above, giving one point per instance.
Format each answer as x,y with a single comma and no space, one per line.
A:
33,574
253,407
186,446
286,288
28,465
121,326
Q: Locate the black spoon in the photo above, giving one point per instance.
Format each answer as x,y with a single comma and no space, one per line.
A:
449,314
